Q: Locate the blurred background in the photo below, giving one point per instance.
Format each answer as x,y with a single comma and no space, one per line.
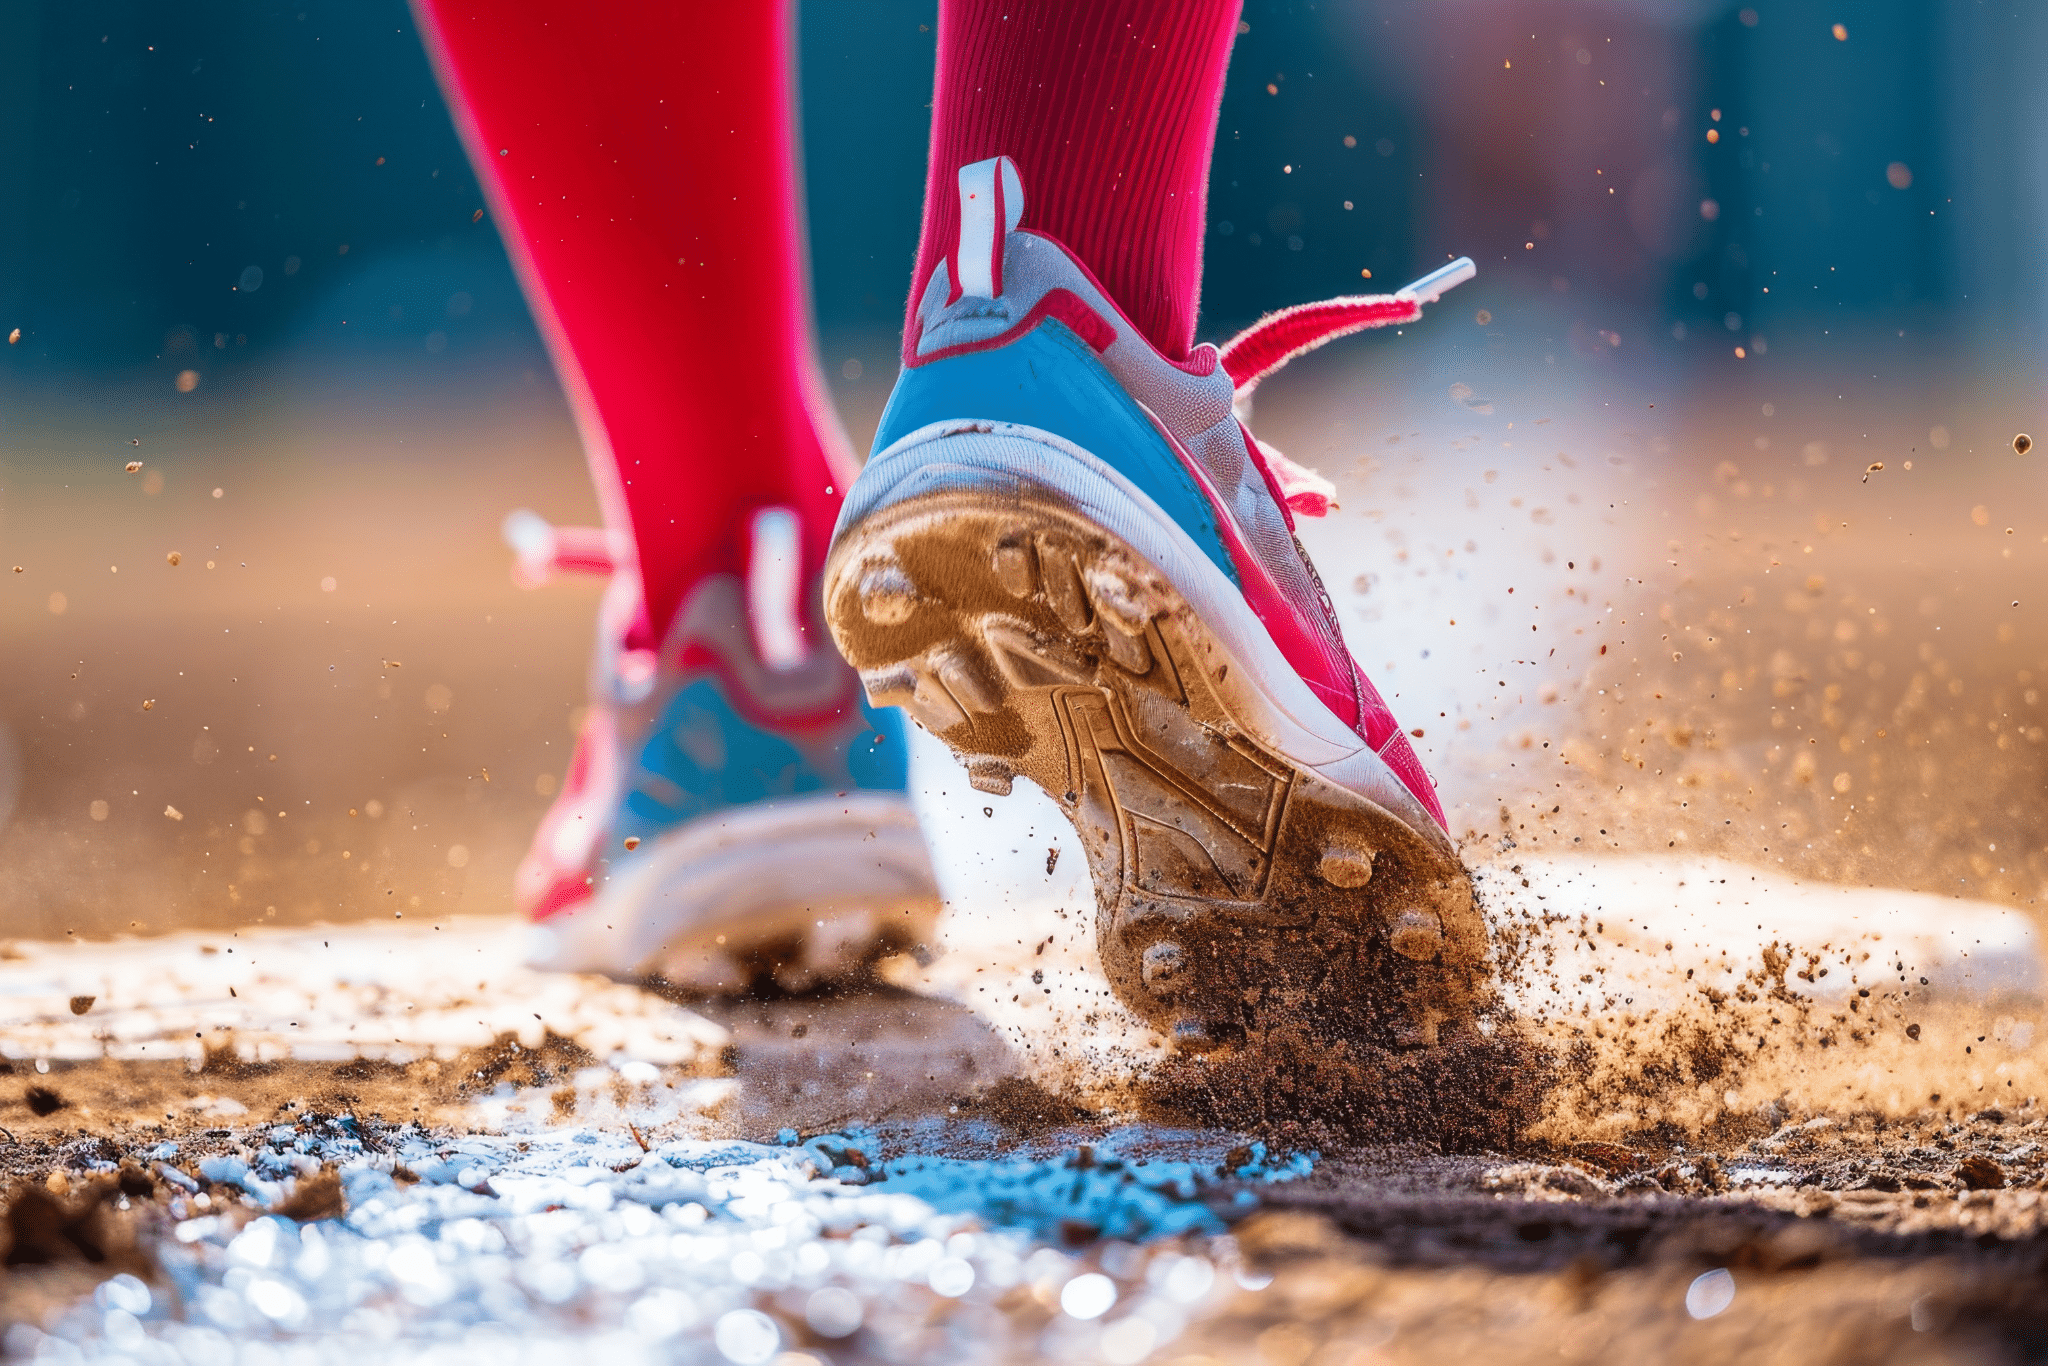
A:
1613,530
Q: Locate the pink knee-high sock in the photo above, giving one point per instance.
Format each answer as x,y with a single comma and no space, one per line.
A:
1109,109
638,158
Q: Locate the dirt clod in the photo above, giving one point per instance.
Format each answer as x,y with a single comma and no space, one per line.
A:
314,1197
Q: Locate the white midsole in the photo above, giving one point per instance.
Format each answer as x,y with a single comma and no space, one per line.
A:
748,873
1264,695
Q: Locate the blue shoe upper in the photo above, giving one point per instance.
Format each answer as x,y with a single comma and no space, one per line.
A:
702,756
1050,379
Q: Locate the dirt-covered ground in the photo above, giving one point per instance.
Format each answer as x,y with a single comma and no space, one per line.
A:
177,1117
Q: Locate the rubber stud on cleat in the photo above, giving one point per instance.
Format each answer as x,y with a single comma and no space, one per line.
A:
1193,1035
1416,934
1063,591
969,688
887,597
1346,864
934,707
992,776
1164,968
1016,567
889,687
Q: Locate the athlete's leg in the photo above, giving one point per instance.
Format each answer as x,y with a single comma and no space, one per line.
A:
1109,111
728,811
638,157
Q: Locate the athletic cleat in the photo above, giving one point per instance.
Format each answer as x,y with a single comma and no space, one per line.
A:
1070,560
733,812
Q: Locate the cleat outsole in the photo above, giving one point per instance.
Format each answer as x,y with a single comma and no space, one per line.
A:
1234,887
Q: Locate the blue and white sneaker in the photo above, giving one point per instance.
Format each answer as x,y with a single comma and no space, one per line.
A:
734,811
1070,560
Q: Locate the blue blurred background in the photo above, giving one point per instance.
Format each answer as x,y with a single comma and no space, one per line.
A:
256,172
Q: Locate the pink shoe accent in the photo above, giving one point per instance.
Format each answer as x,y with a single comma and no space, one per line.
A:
554,875
1062,305
1296,488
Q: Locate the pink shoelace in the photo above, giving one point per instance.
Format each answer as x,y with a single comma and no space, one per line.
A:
1279,337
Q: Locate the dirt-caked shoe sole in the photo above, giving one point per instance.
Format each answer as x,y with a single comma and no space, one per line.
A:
1252,859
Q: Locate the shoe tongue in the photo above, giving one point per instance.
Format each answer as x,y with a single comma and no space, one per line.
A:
991,207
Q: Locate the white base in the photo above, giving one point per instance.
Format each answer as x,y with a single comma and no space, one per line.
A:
837,873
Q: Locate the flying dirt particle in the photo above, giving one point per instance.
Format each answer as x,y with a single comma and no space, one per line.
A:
187,381
43,1101
632,842
1052,860
148,703
81,1004
19,570
134,467
1841,32
393,664
174,813
1913,1032
1483,317
1417,732
2022,443
173,559
1981,515
14,337
477,217
1873,468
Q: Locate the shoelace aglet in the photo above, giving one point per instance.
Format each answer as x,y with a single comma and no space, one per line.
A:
528,533
540,550
1439,282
